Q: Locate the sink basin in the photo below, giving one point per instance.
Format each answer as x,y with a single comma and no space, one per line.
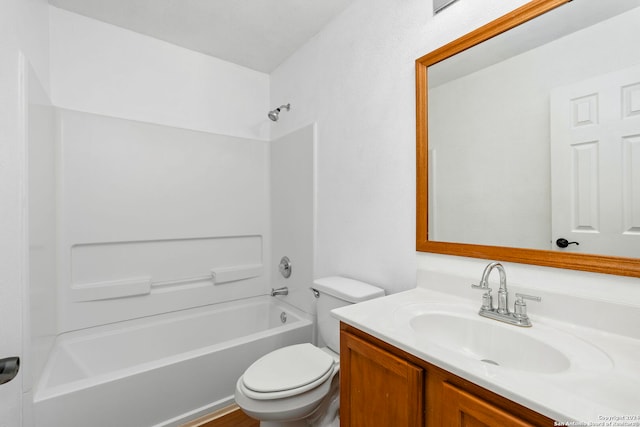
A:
456,330
490,343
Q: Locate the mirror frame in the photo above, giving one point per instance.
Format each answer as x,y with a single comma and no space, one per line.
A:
568,260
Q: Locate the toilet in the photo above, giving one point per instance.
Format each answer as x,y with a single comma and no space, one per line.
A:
298,385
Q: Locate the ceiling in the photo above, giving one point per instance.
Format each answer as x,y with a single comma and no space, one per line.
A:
258,34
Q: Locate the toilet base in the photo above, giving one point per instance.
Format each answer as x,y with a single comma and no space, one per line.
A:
324,415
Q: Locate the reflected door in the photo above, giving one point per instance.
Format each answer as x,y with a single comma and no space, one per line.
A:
595,164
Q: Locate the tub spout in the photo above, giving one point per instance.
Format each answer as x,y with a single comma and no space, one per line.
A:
279,291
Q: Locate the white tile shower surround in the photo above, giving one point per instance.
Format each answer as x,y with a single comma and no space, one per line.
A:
155,218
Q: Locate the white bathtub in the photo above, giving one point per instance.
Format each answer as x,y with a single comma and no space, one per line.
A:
162,370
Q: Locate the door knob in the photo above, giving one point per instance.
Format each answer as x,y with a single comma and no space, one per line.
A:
563,243
9,368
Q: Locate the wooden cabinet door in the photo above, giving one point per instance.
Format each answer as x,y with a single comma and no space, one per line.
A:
462,409
378,388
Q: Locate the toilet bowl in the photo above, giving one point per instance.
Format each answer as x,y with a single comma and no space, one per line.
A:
298,385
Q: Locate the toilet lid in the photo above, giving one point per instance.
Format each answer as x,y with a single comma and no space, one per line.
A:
288,368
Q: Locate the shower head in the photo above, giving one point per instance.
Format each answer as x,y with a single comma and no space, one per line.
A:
273,114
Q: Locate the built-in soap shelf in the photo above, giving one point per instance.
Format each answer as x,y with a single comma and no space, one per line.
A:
121,269
144,285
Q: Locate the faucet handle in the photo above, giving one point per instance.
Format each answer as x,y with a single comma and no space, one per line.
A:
520,307
521,297
487,298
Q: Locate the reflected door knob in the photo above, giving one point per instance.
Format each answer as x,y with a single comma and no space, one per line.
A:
563,243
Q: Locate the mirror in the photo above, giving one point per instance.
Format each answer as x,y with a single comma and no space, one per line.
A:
528,132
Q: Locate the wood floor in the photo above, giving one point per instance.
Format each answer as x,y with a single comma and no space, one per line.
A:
231,416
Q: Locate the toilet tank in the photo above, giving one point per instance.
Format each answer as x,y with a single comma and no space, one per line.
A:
334,292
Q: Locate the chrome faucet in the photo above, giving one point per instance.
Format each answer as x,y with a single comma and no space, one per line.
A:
279,291
503,295
519,316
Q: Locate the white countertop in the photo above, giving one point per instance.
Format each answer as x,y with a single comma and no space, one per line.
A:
592,393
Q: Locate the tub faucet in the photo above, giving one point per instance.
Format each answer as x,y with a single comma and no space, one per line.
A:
279,291
519,318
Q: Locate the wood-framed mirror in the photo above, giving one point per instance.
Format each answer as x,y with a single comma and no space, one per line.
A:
473,200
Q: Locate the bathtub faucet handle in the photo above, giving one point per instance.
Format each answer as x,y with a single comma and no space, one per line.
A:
279,291
285,267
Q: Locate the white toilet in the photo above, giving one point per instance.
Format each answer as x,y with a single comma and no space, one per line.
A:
298,385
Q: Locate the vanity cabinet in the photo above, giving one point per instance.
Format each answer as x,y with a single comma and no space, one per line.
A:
381,386
378,388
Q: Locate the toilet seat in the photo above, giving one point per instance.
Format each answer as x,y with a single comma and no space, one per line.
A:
286,372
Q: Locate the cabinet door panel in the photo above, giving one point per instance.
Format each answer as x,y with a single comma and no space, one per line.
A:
378,388
462,409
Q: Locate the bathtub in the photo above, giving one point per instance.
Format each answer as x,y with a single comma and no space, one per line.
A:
162,370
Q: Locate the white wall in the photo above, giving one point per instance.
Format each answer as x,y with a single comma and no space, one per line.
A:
23,41
99,68
42,230
293,212
25,26
356,79
13,239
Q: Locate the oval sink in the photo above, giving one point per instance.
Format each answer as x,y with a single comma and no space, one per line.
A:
494,343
